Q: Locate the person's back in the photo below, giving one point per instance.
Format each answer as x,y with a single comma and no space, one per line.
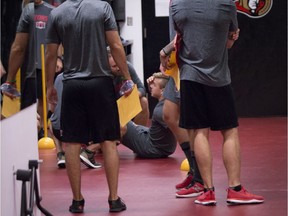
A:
205,31
204,56
82,27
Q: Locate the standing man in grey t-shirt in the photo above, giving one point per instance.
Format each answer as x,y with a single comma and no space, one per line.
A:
89,109
204,31
25,53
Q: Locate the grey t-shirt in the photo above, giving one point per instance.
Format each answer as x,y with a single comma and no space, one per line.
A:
154,142
80,26
204,27
42,12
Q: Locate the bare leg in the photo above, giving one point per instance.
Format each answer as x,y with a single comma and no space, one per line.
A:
199,140
111,164
143,116
73,168
231,156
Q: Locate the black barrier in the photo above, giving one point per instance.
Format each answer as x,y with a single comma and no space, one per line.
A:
25,176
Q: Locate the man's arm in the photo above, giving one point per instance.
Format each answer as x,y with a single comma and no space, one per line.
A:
2,69
137,81
232,37
166,51
17,55
165,55
118,53
50,65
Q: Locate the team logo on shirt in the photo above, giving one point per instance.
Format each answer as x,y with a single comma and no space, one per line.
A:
254,8
40,21
40,25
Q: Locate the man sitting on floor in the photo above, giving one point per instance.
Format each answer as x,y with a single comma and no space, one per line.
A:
156,141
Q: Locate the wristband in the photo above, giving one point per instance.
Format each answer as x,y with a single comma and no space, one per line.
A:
11,82
166,54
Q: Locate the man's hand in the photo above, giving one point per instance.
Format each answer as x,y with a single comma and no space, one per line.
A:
234,35
10,90
59,65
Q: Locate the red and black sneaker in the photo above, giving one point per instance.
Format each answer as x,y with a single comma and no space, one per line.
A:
243,197
206,198
193,190
187,181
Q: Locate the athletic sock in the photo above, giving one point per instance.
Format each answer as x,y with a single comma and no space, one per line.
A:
185,146
197,176
209,189
236,188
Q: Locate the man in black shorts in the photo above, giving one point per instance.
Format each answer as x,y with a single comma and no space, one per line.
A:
204,32
89,109
25,53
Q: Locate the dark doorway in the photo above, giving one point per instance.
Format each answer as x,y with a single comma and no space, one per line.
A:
155,36
10,14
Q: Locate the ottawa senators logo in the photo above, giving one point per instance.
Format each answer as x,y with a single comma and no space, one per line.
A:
254,8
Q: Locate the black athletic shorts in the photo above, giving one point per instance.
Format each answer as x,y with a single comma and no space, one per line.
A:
89,111
39,87
28,93
32,90
57,133
204,106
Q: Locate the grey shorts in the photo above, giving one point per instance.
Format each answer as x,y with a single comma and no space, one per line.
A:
137,138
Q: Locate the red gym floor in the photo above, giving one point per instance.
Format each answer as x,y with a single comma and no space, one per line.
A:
147,186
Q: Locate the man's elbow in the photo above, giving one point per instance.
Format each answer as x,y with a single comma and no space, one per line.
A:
18,49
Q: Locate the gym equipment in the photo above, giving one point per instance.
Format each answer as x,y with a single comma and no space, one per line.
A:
185,165
45,142
25,176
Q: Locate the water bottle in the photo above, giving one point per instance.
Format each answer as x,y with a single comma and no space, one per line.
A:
127,85
6,87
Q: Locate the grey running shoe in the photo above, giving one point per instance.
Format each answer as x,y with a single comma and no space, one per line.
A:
88,159
61,159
